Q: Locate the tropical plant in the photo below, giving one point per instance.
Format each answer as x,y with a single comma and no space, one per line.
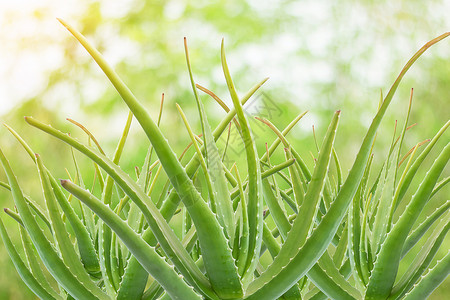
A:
328,237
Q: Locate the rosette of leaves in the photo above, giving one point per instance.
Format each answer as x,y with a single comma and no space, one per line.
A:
329,238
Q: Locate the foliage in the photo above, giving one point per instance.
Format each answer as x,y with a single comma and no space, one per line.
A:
327,229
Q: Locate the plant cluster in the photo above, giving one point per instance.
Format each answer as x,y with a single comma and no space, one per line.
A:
328,237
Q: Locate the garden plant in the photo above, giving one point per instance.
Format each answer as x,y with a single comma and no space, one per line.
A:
328,234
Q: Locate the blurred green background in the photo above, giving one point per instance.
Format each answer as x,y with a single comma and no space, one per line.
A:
320,56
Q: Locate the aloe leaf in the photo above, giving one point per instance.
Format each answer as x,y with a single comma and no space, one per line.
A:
297,187
34,206
385,203
264,174
225,121
105,240
33,262
431,280
354,237
107,191
154,291
144,253
111,276
305,219
275,284
254,189
440,185
365,264
327,285
116,260
317,294
241,260
274,248
325,274
134,213
146,168
401,189
135,277
289,201
165,235
105,257
212,193
63,242
415,236
277,168
208,174
86,214
386,265
222,196
217,256
299,162
402,136
270,242
90,135
27,277
84,241
278,215
338,169
422,259
13,215
49,256
133,282
338,279
169,206
99,176
285,131
341,249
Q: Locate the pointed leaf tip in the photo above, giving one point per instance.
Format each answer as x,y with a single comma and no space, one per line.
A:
62,22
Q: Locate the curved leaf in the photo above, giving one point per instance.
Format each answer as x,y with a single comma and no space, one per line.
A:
144,253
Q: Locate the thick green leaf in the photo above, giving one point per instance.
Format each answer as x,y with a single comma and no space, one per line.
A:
385,192
84,240
268,287
305,219
274,204
386,265
431,280
417,233
63,242
218,259
165,235
34,284
34,263
49,256
409,176
254,189
216,173
422,259
144,253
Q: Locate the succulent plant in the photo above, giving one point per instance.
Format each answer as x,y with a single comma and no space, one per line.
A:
329,238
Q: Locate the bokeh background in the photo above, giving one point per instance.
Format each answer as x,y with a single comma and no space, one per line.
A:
320,56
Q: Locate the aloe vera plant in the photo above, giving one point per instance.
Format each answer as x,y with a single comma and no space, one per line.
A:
339,239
